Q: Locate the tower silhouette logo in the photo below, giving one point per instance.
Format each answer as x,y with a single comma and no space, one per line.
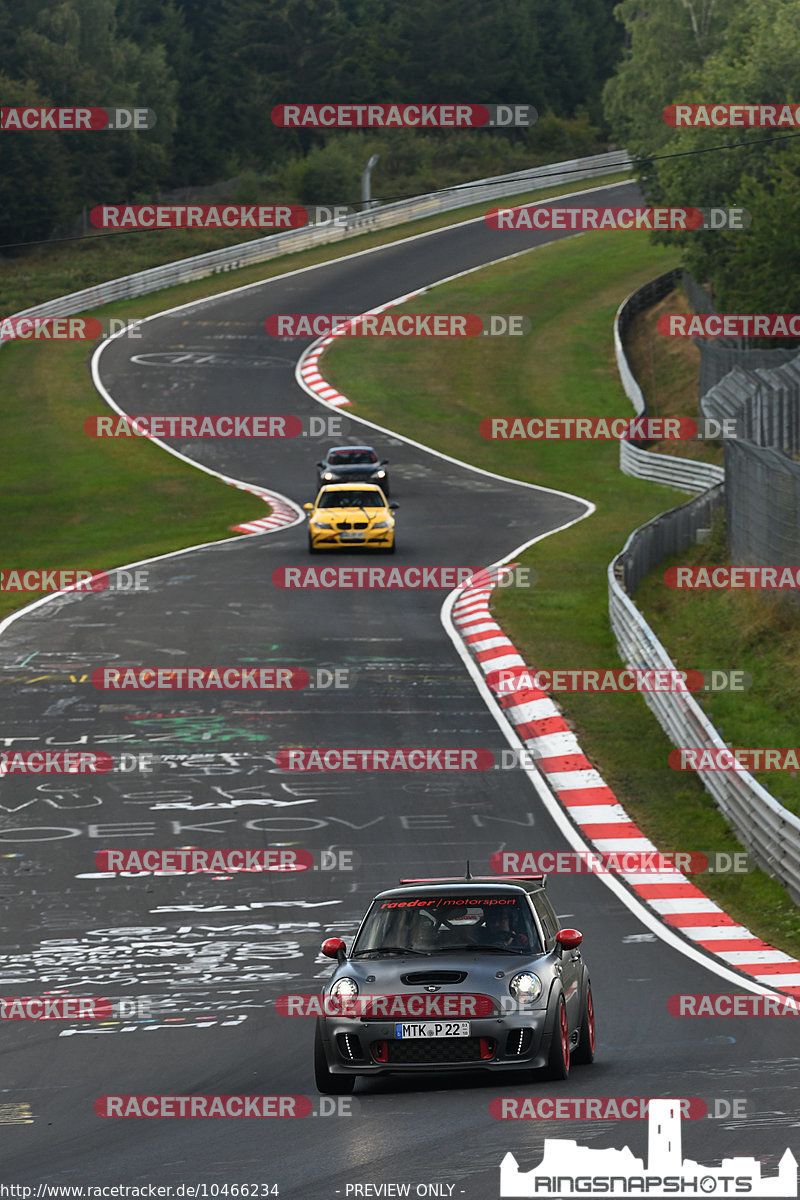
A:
568,1169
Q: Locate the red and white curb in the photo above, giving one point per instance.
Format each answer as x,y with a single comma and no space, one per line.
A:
282,513
594,808
571,778
309,366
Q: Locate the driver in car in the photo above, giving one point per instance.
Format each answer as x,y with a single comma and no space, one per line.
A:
496,930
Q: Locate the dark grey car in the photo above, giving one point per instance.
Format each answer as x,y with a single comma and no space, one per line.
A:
448,975
353,464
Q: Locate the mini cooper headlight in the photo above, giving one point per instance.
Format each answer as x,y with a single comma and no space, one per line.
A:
525,987
329,475
380,475
381,525
345,987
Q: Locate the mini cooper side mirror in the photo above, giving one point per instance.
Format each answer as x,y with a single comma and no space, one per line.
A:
384,462
334,948
319,464
569,939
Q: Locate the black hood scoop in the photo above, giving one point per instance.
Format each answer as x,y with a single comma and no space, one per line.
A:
429,978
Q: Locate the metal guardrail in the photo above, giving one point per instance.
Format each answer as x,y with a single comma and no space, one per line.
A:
769,831
684,474
670,532
261,249
762,401
687,475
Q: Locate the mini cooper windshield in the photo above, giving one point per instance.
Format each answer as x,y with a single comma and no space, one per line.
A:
432,925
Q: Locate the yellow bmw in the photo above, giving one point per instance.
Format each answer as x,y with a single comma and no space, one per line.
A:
346,515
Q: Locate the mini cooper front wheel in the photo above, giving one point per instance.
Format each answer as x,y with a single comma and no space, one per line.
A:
558,1062
328,1083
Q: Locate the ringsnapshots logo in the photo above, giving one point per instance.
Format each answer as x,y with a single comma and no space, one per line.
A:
404,116
73,579
568,1170
585,220
216,216
74,120
399,325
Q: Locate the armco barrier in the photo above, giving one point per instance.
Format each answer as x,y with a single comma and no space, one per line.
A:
261,249
687,475
769,831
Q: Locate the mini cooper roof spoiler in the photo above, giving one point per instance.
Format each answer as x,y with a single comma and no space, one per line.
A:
542,879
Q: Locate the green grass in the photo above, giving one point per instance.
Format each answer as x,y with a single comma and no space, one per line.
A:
438,392
73,501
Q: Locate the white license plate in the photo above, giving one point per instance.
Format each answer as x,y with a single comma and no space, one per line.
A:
355,536
432,1029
